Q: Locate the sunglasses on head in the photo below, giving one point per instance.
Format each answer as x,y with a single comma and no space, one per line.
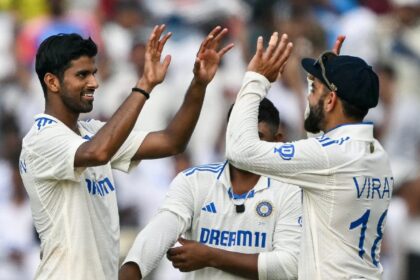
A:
321,61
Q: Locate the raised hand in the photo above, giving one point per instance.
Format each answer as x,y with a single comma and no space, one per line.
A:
272,61
190,256
155,70
208,56
338,44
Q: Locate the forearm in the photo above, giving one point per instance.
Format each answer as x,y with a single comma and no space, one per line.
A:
244,265
182,125
242,131
106,142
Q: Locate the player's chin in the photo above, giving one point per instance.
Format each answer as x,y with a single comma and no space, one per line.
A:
86,107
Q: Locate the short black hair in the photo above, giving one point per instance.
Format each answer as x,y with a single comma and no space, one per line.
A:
55,54
267,113
352,111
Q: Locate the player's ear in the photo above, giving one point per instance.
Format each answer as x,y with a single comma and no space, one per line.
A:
330,101
52,82
279,136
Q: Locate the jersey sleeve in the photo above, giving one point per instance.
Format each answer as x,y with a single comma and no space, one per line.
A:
152,243
282,262
172,220
52,153
180,199
122,160
297,162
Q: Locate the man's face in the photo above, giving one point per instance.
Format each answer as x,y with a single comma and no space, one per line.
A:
314,122
79,84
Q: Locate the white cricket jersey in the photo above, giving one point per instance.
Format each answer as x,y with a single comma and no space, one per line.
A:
346,180
200,205
74,209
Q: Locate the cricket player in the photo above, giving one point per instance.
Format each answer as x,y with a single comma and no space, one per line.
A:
237,225
345,173
66,164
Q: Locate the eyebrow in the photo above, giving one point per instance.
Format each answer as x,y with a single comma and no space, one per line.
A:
86,71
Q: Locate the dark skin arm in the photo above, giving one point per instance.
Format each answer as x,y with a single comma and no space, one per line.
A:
129,271
175,137
112,135
193,255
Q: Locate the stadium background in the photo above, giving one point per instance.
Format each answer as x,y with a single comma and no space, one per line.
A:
386,33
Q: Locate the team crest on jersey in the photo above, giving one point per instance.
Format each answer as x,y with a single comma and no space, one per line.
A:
286,151
264,209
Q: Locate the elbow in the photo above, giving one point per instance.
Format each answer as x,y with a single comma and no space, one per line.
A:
100,157
177,148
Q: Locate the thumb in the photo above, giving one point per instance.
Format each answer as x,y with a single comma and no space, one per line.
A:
166,62
183,241
196,64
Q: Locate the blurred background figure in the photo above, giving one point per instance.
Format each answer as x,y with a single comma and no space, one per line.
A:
386,33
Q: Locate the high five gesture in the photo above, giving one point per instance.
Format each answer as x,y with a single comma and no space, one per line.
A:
271,62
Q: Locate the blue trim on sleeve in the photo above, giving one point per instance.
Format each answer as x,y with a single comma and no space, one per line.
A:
43,121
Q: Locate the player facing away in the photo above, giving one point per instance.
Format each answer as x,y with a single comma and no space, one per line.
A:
66,164
239,225
345,173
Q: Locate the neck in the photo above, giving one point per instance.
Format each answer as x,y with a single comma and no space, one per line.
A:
335,119
242,181
64,115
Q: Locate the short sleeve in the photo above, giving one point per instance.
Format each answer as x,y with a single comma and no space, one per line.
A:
52,151
122,159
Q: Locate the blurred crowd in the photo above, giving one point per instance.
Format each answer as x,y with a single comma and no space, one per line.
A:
386,33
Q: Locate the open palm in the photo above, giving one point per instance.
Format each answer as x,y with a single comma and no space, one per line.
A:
208,57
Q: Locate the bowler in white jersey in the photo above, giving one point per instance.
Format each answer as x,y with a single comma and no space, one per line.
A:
66,164
236,225
345,173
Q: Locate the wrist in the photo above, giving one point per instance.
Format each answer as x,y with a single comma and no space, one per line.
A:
143,84
199,83
212,260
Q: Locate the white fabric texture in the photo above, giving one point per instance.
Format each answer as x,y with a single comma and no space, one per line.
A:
346,180
74,209
199,205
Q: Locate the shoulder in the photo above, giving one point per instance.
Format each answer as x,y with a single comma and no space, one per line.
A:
284,193
211,170
282,187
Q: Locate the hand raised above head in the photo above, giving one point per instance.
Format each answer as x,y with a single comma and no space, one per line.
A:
271,61
155,70
208,57
338,44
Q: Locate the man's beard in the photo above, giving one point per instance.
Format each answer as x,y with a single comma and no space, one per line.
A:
314,121
77,106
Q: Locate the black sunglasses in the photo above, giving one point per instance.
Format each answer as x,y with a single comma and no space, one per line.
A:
321,61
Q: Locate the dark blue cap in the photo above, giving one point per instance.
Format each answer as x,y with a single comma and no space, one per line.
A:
351,78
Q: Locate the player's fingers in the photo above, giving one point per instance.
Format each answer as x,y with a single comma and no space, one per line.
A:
272,44
281,47
166,62
219,36
207,43
215,31
260,46
179,258
151,38
225,49
338,44
182,240
285,56
159,32
163,41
